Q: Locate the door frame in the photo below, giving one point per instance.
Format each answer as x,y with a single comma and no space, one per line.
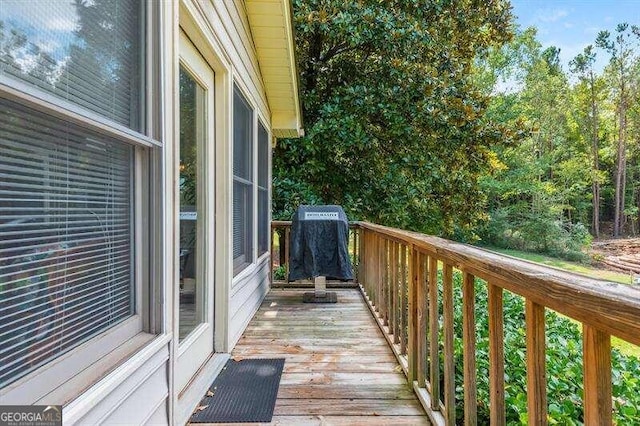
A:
195,26
198,345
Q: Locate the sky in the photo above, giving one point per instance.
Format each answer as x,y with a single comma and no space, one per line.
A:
571,25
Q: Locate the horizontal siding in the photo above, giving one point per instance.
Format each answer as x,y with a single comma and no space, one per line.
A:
246,299
137,398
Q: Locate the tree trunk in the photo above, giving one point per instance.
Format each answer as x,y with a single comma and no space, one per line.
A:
620,173
595,187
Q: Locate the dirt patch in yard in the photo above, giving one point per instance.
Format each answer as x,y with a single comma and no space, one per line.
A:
620,255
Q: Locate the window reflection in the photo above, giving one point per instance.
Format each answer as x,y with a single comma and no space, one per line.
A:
85,51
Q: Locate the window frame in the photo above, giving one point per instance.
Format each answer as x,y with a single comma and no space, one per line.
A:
248,258
267,188
46,384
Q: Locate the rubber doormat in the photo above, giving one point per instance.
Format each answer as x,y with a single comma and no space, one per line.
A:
244,392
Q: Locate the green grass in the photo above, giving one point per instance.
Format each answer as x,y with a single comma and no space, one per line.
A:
603,274
579,268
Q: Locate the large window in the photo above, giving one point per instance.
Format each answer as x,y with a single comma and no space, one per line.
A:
68,193
242,182
263,190
65,222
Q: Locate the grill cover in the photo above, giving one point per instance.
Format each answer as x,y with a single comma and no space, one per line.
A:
319,244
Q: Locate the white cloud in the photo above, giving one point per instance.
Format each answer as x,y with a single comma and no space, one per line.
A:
551,15
41,14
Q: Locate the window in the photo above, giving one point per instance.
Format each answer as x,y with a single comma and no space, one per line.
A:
68,193
242,182
86,52
65,221
263,190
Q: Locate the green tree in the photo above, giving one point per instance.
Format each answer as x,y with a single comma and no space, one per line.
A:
624,57
583,65
396,129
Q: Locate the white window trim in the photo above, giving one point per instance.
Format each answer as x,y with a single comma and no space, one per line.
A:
44,380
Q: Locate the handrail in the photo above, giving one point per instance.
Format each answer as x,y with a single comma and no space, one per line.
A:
407,279
608,306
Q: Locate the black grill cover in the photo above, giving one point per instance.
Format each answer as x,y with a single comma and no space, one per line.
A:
320,244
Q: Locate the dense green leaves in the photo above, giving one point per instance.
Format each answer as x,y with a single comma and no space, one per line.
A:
564,365
395,126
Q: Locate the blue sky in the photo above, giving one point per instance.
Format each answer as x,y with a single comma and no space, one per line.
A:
573,24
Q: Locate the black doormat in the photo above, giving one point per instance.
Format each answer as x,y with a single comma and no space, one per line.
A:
244,392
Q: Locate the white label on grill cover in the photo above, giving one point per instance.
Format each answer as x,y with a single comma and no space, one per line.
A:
321,216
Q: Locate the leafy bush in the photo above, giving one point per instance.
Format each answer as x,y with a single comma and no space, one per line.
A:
564,365
536,232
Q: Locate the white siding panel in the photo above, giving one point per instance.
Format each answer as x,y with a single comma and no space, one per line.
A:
135,398
158,417
246,300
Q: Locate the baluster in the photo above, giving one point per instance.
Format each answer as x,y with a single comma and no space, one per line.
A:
422,319
496,356
273,249
412,337
287,233
403,299
394,293
449,362
434,356
597,376
385,257
469,351
536,368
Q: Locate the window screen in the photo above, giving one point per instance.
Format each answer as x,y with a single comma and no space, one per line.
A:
87,52
242,181
65,237
263,190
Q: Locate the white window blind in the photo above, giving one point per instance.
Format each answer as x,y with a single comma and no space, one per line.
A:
263,190
86,52
242,181
65,237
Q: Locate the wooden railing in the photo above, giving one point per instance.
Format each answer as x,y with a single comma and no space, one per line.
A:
408,281
280,241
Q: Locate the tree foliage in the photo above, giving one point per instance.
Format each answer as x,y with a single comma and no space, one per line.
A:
396,129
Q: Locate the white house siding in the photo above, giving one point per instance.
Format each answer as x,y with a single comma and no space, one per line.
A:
140,396
246,296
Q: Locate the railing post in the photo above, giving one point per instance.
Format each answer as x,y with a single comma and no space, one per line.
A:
496,356
536,364
597,376
469,351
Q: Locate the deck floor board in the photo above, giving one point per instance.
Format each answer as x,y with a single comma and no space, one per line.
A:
339,369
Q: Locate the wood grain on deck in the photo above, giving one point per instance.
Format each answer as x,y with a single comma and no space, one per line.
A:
338,370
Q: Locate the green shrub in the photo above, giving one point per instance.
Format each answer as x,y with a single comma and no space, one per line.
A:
536,232
564,365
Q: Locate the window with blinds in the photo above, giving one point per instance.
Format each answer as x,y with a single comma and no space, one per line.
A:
86,52
263,190
65,237
242,182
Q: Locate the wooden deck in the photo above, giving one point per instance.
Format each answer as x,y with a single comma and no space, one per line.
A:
339,369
